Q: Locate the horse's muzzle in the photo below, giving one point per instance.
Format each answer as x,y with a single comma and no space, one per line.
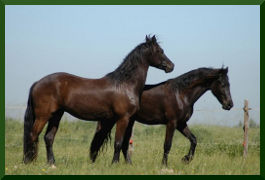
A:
228,106
169,68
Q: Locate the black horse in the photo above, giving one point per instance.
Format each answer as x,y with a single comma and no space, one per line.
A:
111,99
171,103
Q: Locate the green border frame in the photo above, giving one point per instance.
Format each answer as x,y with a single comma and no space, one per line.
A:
131,2
2,89
262,100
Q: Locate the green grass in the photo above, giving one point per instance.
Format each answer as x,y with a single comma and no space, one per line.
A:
219,151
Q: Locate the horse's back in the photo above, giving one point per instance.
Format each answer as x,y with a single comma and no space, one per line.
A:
51,85
61,81
59,77
68,92
152,105
89,99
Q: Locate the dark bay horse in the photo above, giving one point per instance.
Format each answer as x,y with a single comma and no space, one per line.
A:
111,99
171,103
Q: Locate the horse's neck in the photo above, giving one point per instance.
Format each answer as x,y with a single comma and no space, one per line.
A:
138,78
133,78
196,91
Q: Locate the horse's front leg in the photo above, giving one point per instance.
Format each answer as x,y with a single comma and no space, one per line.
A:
121,127
171,126
193,142
125,144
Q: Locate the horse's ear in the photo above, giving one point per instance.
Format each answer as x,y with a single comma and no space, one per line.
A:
224,70
147,39
154,39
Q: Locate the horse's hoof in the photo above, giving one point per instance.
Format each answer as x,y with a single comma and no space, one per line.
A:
114,161
27,160
129,162
93,160
53,166
186,159
93,156
167,171
164,162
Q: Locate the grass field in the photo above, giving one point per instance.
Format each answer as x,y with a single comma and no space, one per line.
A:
219,151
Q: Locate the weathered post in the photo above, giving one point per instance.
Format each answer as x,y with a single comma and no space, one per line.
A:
245,128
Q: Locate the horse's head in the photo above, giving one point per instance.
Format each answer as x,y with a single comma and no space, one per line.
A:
221,89
156,57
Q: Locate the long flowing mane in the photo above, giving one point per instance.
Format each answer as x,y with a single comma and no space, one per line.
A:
125,71
150,86
194,76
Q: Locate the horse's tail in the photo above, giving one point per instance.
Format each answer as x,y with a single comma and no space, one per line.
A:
102,136
30,149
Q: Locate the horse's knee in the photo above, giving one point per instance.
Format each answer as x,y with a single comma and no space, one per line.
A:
34,137
167,147
117,145
48,139
194,141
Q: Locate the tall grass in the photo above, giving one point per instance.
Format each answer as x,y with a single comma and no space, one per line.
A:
219,151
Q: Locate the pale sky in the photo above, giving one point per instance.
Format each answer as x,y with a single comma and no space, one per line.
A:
91,41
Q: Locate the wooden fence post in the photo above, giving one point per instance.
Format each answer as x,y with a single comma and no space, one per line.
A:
245,128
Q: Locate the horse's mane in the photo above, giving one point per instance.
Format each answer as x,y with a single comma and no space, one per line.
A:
194,76
124,71
150,86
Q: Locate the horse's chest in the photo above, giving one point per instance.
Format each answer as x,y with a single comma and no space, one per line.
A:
132,98
183,111
127,103
187,113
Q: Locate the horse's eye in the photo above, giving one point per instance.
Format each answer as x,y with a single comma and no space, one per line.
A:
160,51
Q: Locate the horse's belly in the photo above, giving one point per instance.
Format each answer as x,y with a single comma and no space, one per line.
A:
150,118
150,121
91,114
93,110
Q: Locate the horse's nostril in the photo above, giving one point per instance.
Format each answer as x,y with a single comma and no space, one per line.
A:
229,106
172,66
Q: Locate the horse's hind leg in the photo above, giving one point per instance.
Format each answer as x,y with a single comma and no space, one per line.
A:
50,134
38,125
193,142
